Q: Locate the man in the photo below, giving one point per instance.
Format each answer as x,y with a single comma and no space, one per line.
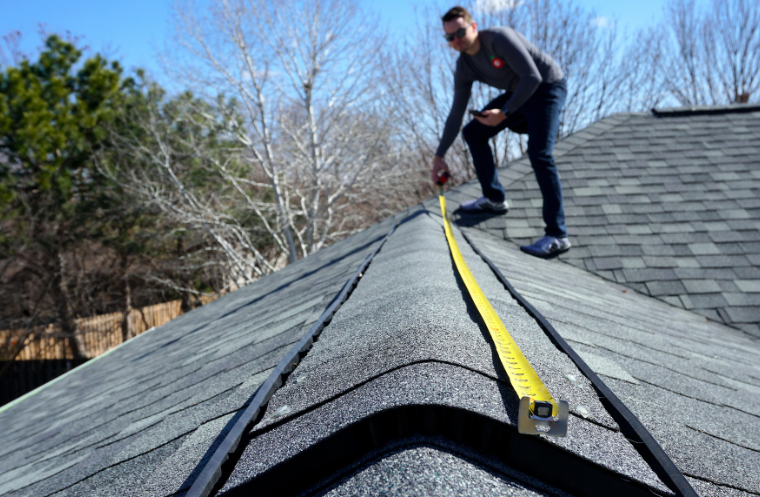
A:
535,91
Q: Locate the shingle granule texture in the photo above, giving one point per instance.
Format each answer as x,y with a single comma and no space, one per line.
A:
407,336
434,466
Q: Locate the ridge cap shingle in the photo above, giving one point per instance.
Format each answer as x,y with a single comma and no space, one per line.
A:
693,110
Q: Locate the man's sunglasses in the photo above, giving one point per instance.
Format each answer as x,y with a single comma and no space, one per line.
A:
459,33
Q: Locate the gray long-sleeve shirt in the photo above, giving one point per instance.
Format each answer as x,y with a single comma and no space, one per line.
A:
506,60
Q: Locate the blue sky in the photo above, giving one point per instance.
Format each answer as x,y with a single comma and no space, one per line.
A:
132,30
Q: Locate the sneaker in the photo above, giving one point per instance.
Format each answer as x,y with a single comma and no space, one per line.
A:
547,246
482,204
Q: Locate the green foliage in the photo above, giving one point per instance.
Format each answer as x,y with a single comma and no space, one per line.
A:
52,119
56,116
79,242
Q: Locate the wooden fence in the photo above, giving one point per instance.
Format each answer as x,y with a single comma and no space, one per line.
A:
95,335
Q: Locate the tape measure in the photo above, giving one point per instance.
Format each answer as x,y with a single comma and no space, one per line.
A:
539,412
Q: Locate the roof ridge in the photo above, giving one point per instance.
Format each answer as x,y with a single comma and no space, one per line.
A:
694,110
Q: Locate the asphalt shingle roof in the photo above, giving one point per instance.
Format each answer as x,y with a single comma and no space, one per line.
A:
144,419
694,384
141,420
416,330
405,338
666,203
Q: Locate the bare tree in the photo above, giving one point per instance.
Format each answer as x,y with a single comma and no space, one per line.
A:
736,26
285,127
685,63
335,139
179,160
224,52
12,54
710,55
640,84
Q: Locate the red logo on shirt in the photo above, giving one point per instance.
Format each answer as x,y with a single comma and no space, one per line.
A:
497,63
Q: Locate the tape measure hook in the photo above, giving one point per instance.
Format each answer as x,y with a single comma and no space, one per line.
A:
530,423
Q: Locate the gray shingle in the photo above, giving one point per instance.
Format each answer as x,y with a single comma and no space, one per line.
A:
684,263
733,261
748,286
744,314
712,226
618,229
665,217
685,238
707,300
725,236
732,249
742,299
660,262
659,288
638,229
751,247
633,263
701,286
682,250
598,250
704,249
637,239
588,230
727,286
658,250
674,228
433,466
748,273
734,214
607,263
744,224
645,275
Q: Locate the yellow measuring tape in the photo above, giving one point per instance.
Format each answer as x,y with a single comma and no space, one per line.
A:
524,379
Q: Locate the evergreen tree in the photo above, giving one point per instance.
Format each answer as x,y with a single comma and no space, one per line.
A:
54,115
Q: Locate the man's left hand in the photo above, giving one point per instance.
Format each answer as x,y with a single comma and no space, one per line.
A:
493,117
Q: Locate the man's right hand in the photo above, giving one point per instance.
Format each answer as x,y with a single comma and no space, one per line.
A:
438,167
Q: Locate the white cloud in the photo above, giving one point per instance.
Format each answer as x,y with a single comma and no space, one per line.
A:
602,22
493,6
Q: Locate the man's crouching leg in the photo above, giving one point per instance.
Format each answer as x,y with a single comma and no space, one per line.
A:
476,135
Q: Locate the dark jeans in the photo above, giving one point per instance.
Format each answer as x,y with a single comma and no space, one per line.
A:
539,118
